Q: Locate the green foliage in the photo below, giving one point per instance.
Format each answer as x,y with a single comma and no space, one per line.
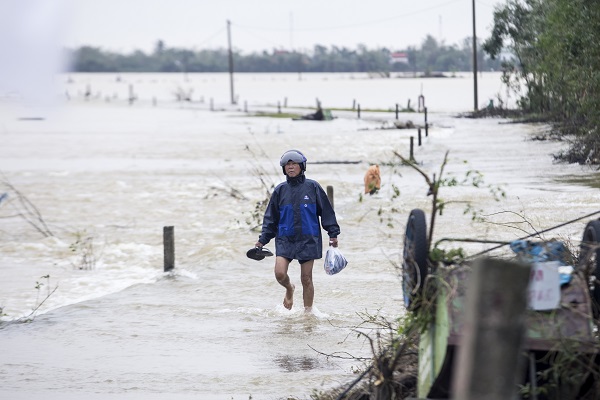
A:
556,66
276,115
432,56
448,257
83,250
39,285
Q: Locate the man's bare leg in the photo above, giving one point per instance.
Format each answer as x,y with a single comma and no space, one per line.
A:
281,274
308,289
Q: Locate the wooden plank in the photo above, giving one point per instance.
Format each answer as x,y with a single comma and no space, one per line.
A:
493,332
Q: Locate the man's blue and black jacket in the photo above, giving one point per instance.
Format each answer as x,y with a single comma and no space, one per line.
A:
292,218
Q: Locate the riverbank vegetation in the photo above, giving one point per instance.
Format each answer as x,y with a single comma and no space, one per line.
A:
555,67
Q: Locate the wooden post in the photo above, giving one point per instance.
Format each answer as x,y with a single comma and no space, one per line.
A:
330,195
285,102
353,104
397,110
412,148
421,103
490,348
169,248
474,61
419,136
131,97
278,107
358,108
426,124
230,62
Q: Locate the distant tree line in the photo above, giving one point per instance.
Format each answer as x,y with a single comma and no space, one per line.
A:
432,56
556,66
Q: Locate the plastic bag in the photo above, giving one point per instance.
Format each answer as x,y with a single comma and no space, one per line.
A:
334,261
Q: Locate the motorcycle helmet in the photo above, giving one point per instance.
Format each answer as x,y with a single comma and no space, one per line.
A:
295,156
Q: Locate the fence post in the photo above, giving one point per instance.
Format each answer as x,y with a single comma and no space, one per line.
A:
412,148
426,124
358,108
490,348
131,97
169,248
397,110
419,136
330,195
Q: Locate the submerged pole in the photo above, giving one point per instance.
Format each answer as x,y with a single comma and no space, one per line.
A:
474,62
169,248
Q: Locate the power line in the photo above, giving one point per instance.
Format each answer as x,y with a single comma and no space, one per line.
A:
349,26
211,37
258,37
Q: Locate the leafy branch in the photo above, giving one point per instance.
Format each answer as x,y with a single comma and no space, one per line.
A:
472,178
267,185
25,209
38,287
434,186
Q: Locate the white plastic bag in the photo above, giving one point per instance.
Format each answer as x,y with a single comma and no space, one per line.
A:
334,261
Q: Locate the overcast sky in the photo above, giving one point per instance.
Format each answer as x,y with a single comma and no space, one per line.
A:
33,32
256,25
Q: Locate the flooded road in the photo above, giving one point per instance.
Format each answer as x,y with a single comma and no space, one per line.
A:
107,176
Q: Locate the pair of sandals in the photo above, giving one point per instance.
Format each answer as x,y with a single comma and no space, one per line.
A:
258,253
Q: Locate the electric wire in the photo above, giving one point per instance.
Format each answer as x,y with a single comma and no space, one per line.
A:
212,36
356,25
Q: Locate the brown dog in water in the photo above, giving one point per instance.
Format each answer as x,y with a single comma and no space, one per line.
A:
372,179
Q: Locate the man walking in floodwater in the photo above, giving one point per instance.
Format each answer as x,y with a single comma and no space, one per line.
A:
292,218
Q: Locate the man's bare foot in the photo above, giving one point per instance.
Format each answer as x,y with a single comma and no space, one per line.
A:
288,301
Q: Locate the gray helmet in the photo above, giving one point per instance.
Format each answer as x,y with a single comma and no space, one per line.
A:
295,156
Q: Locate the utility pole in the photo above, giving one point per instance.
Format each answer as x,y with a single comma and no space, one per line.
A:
474,61
230,61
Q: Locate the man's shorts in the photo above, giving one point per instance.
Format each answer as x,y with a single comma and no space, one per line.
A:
299,261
